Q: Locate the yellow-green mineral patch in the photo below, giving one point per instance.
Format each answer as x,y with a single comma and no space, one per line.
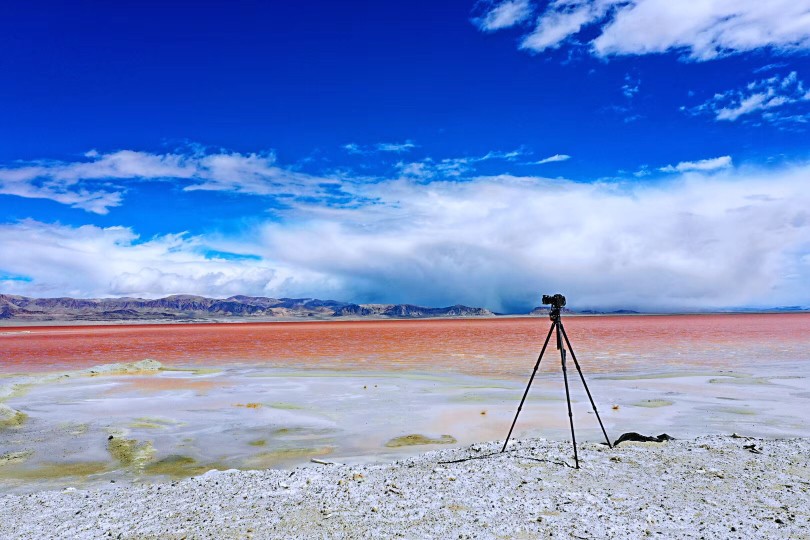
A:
258,442
416,439
285,406
736,410
15,457
274,457
57,470
152,423
251,405
300,433
11,418
75,428
14,390
129,452
176,466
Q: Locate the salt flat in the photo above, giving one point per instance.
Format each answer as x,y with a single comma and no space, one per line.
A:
145,422
708,487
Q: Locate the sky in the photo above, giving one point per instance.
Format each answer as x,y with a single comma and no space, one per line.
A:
631,154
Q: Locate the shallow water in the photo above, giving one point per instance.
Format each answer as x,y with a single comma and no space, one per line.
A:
257,396
492,347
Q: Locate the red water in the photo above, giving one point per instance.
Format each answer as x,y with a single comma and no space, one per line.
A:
496,347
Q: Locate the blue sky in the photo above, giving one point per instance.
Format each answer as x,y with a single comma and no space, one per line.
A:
636,154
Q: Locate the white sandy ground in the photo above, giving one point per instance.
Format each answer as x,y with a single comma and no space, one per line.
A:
709,487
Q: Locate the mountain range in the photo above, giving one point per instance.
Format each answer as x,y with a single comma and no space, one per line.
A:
189,308
184,307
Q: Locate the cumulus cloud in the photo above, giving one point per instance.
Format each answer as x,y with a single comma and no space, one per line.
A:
504,15
97,182
774,99
90,261
712,164
695,239
701,30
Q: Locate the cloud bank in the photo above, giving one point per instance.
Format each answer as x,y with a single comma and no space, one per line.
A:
700,30
697,239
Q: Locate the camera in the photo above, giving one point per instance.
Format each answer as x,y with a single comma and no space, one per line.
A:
554,300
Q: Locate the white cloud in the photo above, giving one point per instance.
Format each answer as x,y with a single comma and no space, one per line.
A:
631,86
353,148
706,29
771,98
701,30
713,164
562,19
430,169
397,148
697,239
91,261
497,154
504,15
553,159
97,201
97,183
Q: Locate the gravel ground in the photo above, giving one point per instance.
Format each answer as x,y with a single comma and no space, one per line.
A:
710,487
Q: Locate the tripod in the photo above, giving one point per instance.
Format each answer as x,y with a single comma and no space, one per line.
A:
557,302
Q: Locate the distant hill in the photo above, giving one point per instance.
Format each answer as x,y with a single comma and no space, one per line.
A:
183,307
188,308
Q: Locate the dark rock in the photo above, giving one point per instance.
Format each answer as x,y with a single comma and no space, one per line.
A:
637,437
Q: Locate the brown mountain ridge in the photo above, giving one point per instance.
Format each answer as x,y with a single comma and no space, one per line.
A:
183,307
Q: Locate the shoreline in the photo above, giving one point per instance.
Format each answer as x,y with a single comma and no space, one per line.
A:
184,420
11,324
710,486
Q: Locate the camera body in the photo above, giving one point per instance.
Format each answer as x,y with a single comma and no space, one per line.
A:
556,301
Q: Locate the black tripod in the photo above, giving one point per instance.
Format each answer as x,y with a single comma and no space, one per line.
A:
557,301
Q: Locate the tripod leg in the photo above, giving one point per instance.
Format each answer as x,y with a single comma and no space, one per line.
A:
581,376
537,365
568,396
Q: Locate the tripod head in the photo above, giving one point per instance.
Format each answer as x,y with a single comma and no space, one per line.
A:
557,302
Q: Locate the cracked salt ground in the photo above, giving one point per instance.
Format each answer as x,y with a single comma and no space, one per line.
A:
709,487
